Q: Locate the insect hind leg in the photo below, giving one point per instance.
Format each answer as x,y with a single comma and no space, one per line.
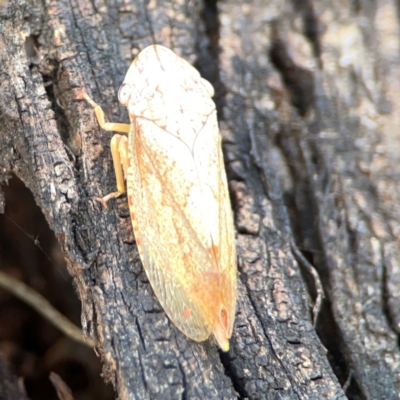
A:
119,152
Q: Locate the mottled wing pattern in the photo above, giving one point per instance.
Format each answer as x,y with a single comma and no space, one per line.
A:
177,191
158,224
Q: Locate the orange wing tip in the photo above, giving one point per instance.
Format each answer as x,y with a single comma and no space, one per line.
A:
220,330
221,338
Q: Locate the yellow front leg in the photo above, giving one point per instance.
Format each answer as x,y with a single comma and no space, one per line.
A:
119,147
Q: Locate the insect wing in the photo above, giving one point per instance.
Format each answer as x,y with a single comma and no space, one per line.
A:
178,194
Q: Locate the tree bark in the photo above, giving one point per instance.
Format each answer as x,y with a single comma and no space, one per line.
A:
306,98
11,388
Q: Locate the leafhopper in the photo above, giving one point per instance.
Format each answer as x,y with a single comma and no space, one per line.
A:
172,162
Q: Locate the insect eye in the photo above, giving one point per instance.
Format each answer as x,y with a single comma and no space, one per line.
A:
123,94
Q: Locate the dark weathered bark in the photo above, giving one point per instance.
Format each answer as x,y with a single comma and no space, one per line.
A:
11,388
335,158
303,94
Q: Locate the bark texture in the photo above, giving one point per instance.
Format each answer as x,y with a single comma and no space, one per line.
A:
306,96
11,388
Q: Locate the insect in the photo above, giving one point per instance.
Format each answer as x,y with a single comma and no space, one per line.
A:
177,191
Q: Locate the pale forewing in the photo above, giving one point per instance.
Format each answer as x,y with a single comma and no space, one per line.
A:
177,187
167,242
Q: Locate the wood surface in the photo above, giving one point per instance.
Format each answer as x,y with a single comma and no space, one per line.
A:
307,95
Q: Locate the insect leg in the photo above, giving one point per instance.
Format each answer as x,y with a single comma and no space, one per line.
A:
107,126
119,152
119,147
